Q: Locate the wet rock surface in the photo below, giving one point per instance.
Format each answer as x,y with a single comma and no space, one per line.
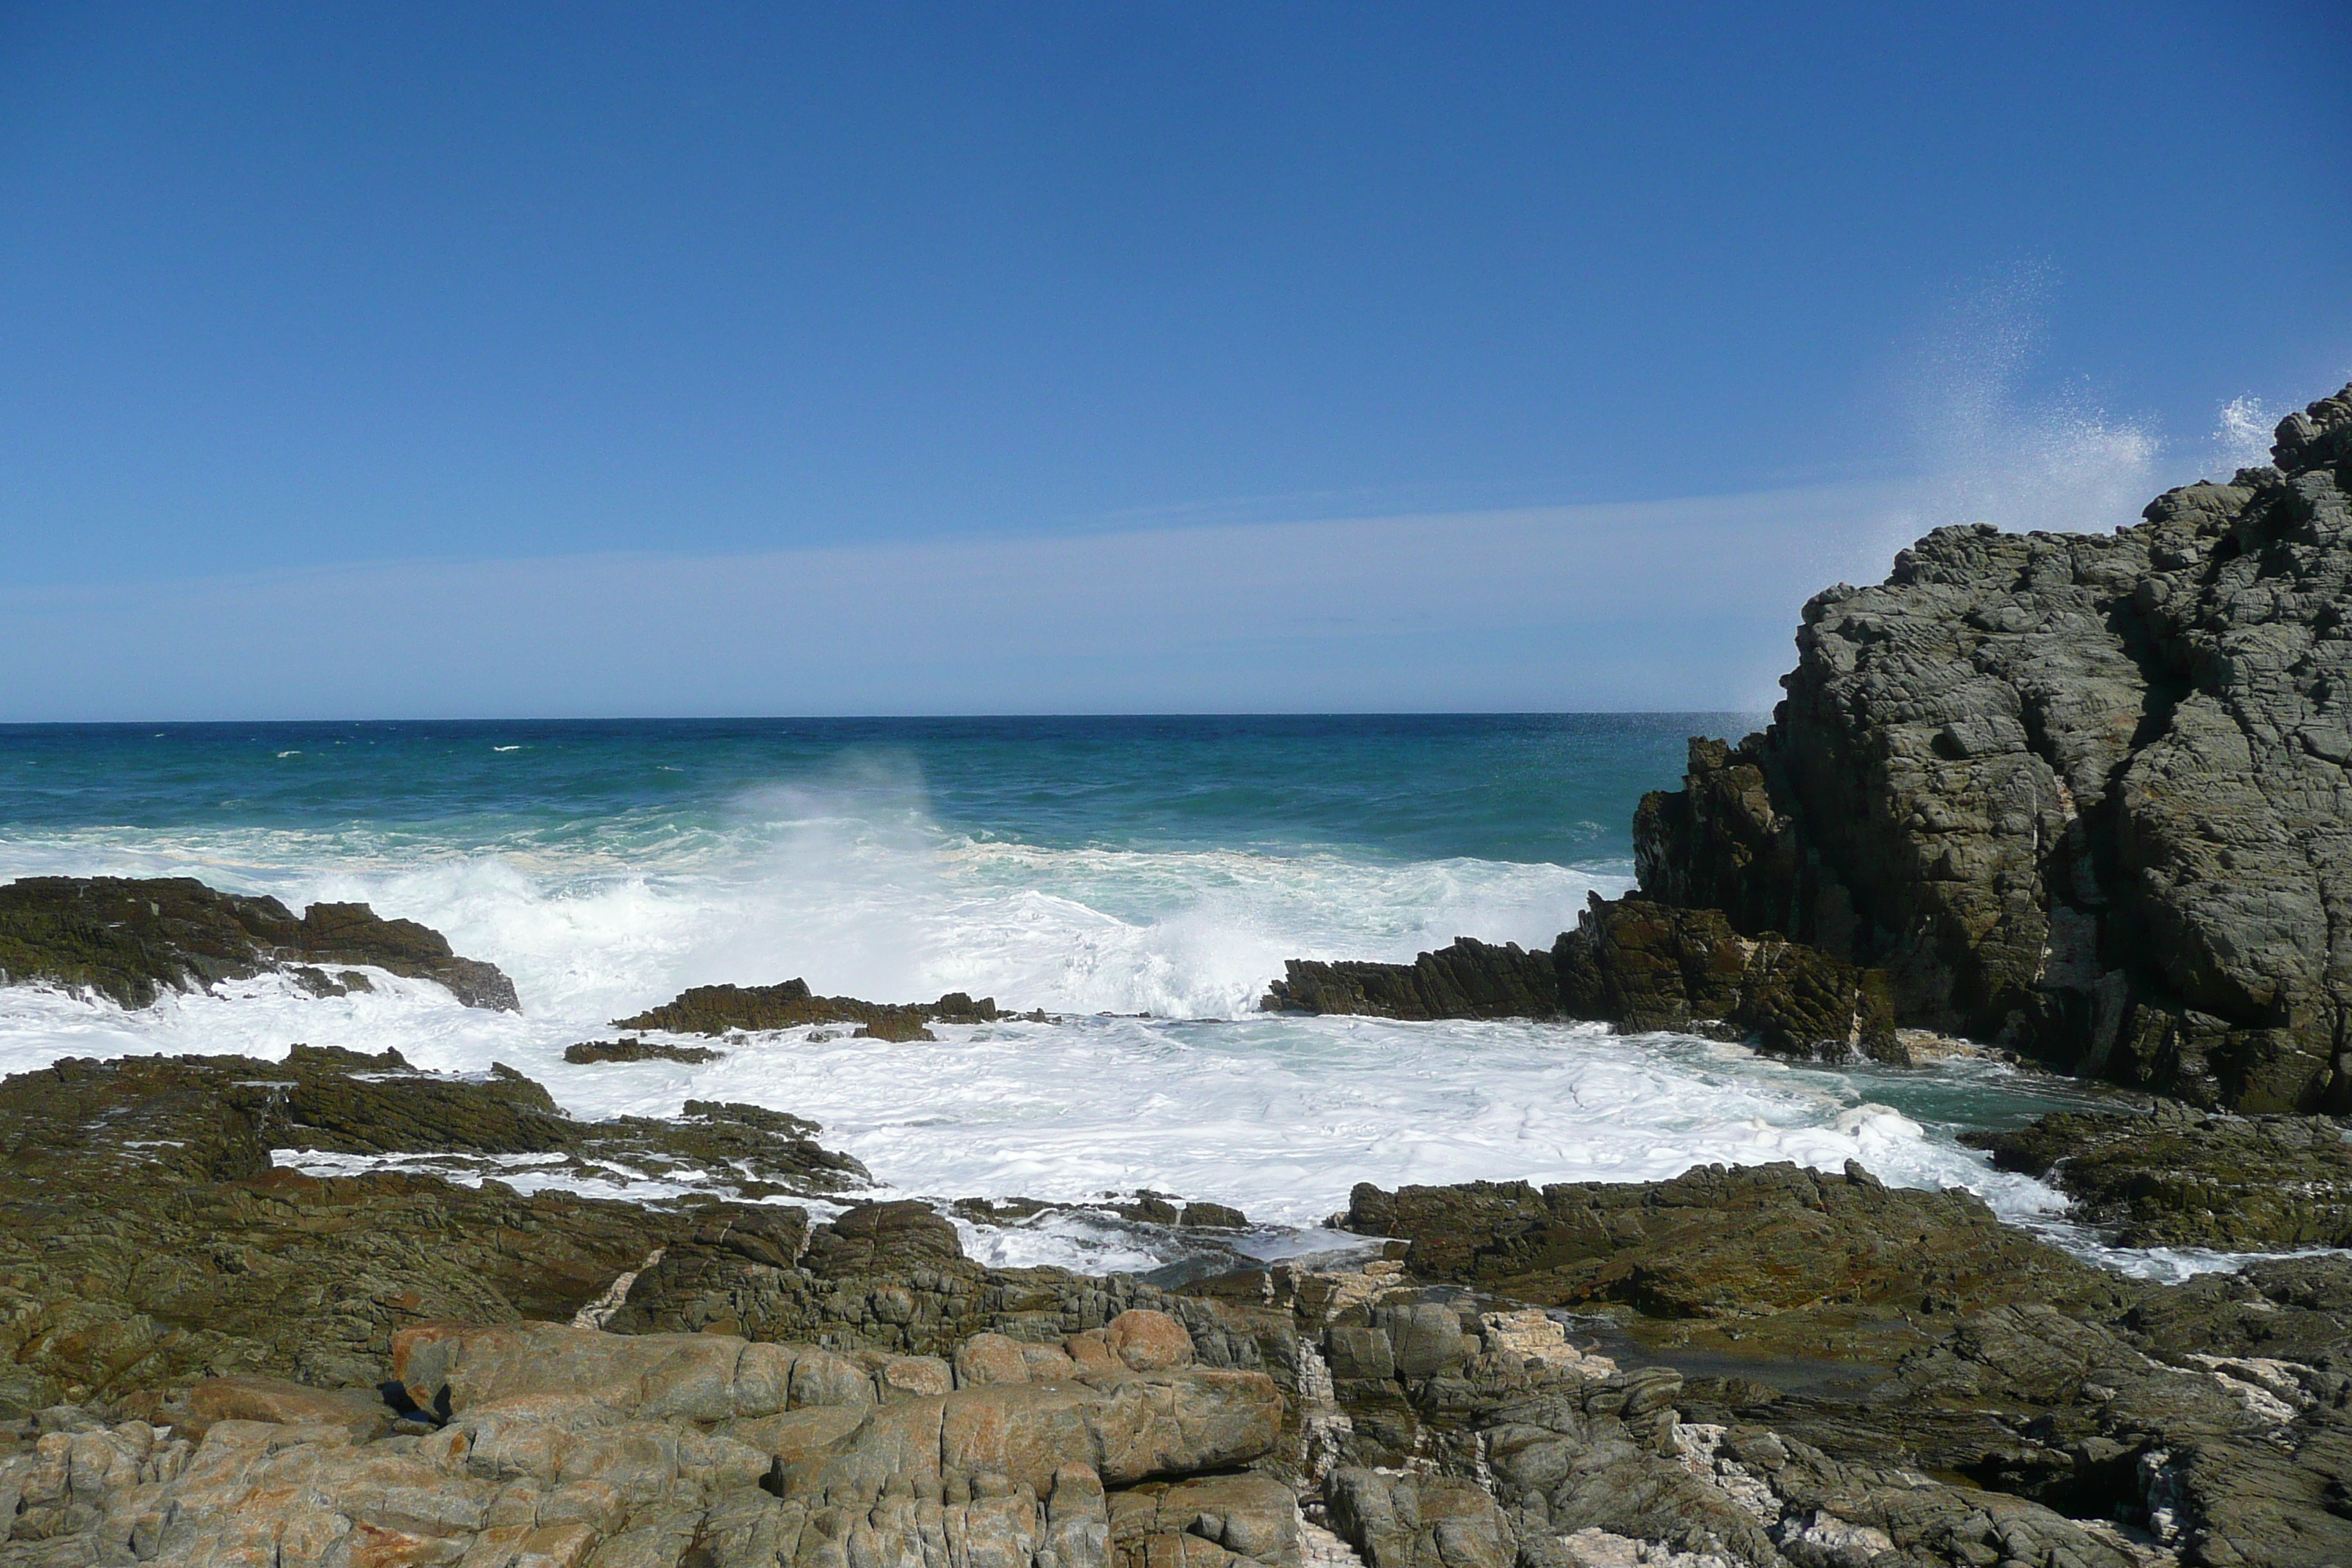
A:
1470,978
146,1233
1760,1260
587,1053
724,1010
1630,963
131,939
2178,1177
211,1360
2081,795
1645,965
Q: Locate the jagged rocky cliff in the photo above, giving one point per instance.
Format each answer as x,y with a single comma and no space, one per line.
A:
2082,795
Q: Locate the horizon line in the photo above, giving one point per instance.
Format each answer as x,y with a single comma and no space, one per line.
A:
6,724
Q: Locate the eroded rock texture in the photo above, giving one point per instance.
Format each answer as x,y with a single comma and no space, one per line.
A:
535,1446
2083,794
146,1236
2178,1177
1632,962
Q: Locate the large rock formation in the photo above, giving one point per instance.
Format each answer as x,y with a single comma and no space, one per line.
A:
2085,795
130,939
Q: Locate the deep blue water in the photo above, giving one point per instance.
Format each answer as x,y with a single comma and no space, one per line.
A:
1507,787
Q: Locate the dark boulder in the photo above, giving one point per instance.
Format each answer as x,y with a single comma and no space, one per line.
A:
1630,963
130,939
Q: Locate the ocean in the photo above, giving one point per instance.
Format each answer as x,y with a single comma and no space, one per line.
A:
1141,877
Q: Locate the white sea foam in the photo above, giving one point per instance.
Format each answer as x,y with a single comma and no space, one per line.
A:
1206,1098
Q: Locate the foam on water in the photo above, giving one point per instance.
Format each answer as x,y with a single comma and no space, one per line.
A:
862,894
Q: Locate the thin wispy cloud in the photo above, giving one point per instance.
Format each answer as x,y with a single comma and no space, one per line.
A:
1666,604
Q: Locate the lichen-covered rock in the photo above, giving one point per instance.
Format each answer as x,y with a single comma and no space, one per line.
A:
2179,1177
1759,1257
2085,794
130,939
1419,1522
530,1444
1252,1518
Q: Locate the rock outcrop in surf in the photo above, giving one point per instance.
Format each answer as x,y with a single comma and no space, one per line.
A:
131,939
1632,962
2082,795
724,1010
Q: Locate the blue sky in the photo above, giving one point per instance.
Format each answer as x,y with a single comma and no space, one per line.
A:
315,319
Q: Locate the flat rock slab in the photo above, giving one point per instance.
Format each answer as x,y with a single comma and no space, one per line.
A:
2181,1178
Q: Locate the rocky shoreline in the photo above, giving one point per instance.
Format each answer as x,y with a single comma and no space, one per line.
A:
209,1356
2077,799
2081,796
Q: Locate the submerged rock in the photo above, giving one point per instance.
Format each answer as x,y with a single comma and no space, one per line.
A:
130,939
2082,795
1144,1206
585,1053
2178,1177
722,1009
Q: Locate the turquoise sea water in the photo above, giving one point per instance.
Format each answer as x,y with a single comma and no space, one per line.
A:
1142,878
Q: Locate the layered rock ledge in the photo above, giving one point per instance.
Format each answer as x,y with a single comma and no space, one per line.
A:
1630,963
2179,1177
130,939
726,1009
208,1361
